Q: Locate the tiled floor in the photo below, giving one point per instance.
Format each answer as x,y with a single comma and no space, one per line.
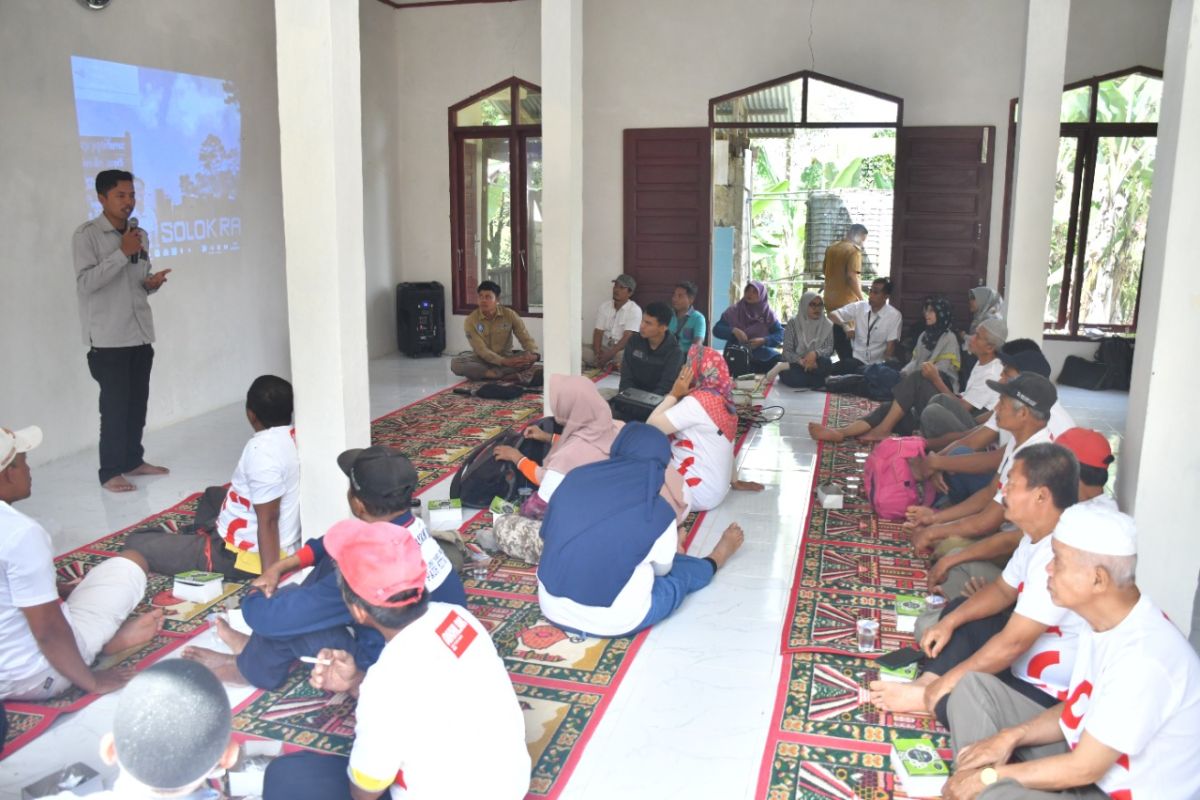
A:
690,719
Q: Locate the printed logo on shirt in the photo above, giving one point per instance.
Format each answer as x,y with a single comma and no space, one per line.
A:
1075,706
456,634
479,327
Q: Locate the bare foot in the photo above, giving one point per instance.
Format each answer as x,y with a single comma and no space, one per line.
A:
823,434
730,541
746,486
135,632
898,698
235,640
119,484
875,435
148,469
223,665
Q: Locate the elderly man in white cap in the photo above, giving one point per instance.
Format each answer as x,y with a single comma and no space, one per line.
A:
47,646
1129,723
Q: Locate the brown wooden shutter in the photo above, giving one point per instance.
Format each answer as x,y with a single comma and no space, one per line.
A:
943,207
668,231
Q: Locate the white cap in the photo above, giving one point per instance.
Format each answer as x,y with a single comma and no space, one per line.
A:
13,443
1094,528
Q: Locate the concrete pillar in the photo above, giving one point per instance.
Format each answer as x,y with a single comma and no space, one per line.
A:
562,181
1159,479
320,142
1036,156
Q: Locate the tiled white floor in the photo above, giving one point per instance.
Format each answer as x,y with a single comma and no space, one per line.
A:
690,719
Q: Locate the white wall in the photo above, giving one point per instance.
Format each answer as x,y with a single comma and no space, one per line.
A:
220,321
439,56
954,63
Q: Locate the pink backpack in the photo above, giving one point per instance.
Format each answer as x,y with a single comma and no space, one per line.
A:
890,485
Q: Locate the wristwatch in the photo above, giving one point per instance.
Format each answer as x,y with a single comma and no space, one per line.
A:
988,776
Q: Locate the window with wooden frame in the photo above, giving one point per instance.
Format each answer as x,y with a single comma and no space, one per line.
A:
1106,149
496,195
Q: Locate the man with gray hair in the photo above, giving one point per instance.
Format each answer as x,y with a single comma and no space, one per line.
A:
948,413
1129,719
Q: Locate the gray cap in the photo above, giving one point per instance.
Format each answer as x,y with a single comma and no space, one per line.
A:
627,281
996,327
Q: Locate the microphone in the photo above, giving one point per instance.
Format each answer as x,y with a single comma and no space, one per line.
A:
132,226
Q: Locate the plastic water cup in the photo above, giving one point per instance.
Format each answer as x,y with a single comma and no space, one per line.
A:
868,631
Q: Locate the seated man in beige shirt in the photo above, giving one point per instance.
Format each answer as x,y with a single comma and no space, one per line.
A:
490,329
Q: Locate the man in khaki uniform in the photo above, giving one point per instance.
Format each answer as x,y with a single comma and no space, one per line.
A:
843,269
490,329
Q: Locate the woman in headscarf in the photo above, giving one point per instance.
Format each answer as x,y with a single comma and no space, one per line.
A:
808,345
752,323
588,432
609,565
984,303
933,370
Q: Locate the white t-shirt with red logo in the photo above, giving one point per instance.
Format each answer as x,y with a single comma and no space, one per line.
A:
1136,688
701,454
437,718
1010,452
1048,662
269,469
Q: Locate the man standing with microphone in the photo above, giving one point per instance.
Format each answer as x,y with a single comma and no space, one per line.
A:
113,281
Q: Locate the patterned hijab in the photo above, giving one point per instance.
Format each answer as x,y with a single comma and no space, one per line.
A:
713,388
757,319
988,304
945,316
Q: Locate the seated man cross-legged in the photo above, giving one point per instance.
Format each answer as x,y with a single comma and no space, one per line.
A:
290,622
242,530
617,320
437,716
47,646
1129,717
1032,649
490,329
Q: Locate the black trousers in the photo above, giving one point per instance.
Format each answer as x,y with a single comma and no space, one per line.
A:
124,377
799,378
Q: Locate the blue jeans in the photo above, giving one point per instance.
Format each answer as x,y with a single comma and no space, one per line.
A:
688,574
963,484
303,775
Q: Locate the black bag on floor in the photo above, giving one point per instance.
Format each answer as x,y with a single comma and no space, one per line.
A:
1116,354
482,478
634,405
737,358
844,384
1082,373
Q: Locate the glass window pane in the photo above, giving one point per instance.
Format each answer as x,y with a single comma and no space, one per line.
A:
1129,98
495,109
533,217
487,215
778,103
530,102
830,103
1116,235
1064,183
1076,105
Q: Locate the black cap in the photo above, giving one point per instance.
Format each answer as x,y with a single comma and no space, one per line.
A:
1031,389
1025,360
379,475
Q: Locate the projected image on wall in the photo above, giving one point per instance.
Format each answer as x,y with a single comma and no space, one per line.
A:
180,135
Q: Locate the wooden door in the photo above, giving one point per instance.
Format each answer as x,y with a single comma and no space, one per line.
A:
668,229
943,206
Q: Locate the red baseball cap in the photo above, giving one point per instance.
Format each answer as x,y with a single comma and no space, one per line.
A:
1089,447
377,559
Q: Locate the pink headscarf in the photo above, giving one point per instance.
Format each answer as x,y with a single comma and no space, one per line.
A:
588,425
713,388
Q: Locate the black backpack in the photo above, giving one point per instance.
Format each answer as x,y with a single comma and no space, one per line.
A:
737,358
482,478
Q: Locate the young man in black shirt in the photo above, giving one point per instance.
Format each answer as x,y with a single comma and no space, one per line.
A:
652,356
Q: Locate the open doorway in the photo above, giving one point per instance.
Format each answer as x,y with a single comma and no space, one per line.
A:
796,161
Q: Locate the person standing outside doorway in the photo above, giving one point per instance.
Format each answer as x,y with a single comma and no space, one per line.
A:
113,281
843,268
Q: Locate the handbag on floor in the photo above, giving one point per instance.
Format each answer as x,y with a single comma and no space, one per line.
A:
481,478
738,359
889,482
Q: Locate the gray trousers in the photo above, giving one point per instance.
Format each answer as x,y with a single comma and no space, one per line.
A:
473,368
589,356
980,707
944,414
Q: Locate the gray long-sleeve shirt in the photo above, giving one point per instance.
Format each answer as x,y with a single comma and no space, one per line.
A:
114,307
